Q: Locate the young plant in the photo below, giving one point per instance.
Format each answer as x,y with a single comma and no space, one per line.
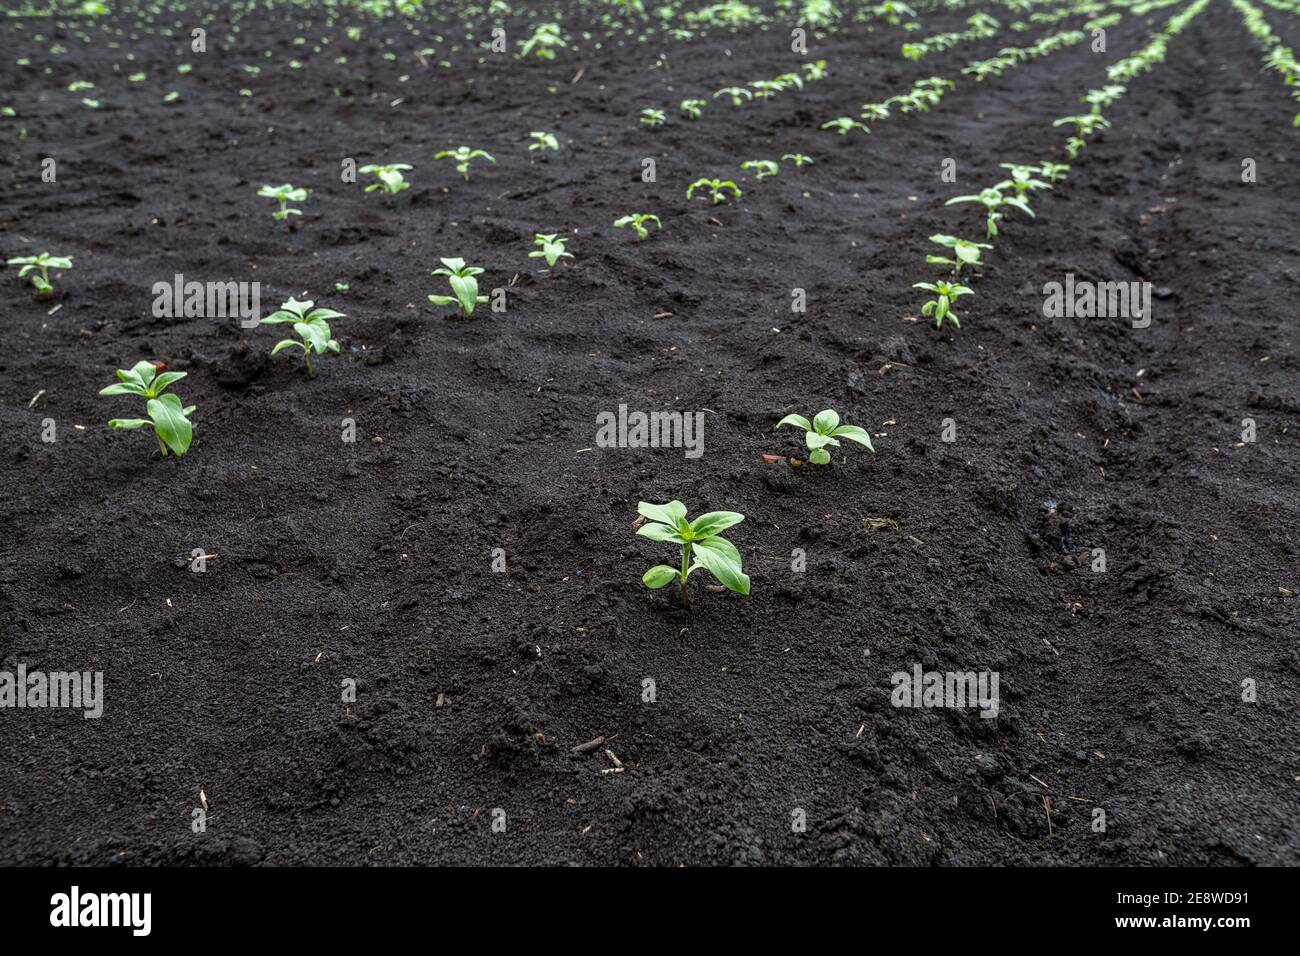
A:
542,142
551,249
693,108
945,294
463,284
739,95
546,39
799,159
992,200
390,179
39,267
463,156
652,117
312,326
1073,145
1054,171
763,168
701,547
283,195
168,418
637,221
1022,180
1086,123
824,431
964,253
875,111
843,125
717,189
815,70
766,89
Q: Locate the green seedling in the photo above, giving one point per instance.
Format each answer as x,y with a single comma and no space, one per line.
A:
992,200
843,125
463,284
551,249
945,294
283,195
701,547
637,221
1073,145
826,431
39,267
312,326
1104,97
463,156
875,111
739,95
1086,123
1054,172
546,39
390,179
766,89
815,70
542,142
168,418
693,108
652,117
964,253
799,159
763,168
717,189
787,80
1022,180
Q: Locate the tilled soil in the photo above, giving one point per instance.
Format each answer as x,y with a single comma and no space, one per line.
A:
373,561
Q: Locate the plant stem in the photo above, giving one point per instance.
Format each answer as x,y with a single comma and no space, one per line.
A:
306,354
686,559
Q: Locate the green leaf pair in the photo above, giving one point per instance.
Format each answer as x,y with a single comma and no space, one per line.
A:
700,543
463,284
312,326
167,416
39,267
825,431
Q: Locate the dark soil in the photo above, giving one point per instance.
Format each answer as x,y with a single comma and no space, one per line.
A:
373,561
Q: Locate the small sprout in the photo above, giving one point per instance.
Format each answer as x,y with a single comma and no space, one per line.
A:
693,108
341,287
39,266
652,117
1073,145
284,195
787,80
763,168
875,111
815,70
799,159
766,89
637,221
463,284
965,253
542,142
552,249
390,178
945,294
311,324
1022,179
825,431
168,418
1085,123
701,546
463,156
717,189
1054,171
843,124
546,39
993,201
739,95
